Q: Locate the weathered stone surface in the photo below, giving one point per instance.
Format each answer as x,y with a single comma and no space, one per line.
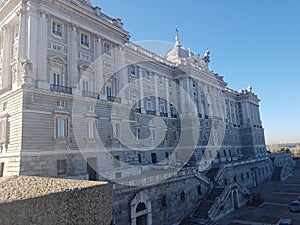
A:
36,200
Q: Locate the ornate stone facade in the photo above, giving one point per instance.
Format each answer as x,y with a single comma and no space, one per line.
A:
80,100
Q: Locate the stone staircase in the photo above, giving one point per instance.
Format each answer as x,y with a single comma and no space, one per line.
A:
204,207
276,176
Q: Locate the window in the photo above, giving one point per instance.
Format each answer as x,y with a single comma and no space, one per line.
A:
60,104
85,86
61,127
115,130
117,162
133,102
149,105
163,201
147,75
182,196
1,169
167,154
56,47
176,135
153,135
57,29
91,129
162,107
132,70
61,167
108,91
160,78
140,158
85,57
85,40
56,79
138,133
107,49
153,158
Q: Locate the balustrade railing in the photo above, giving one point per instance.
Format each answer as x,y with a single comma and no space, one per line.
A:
58,88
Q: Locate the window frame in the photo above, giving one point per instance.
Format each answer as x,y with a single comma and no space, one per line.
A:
132,70
62,167
58,127
55,33
86,45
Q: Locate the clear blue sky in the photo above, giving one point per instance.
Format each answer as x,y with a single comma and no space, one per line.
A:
251,42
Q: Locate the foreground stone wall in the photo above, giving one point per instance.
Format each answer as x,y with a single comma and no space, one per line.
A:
48,201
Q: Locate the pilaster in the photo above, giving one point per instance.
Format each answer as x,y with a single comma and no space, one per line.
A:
42,51
73,58
142,100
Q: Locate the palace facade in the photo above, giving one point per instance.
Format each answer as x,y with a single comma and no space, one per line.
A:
79,100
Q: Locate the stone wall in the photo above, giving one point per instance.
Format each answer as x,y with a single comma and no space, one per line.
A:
167,203
48,201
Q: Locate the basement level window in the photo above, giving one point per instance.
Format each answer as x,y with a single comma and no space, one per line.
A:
61,167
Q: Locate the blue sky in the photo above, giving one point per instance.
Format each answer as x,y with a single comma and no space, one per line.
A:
251,42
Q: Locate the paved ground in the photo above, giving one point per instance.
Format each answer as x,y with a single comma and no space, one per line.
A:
277,197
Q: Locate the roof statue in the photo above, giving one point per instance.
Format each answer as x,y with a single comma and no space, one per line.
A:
206,57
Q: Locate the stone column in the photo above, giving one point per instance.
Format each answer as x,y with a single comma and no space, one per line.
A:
42,51
99,80
142,100
156,94
122,73
22,44
73,58
168,98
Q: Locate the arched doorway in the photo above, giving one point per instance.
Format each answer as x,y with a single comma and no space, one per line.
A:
235,199
141,214
141,211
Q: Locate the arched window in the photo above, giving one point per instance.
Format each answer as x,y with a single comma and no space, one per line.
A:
200,190
141,207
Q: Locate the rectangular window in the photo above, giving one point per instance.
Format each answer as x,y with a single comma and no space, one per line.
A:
132,70
85,86
107,49
108,91
85,40
61,127
85,57
61,167
56,79
117,162
91,129
57,29
140,158
153,158
138,133
56,47
60,104
160,79
1,169
115,130
147,75
133,102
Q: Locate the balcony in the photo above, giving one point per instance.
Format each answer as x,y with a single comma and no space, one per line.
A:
164,114
113,99
150,112
62,89
90,94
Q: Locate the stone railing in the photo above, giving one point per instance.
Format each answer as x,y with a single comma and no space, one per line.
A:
147,180
202,177
219,201
237,163
149,54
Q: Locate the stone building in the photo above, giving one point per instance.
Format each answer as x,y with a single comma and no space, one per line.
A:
79,100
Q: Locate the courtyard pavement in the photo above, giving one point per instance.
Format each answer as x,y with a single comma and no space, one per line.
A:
277,196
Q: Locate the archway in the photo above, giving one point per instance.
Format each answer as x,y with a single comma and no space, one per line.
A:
235,199
141,214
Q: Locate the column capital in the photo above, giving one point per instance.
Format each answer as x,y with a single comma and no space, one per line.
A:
44,14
